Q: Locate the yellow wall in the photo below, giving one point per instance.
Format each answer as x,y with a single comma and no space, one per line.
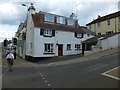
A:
104,26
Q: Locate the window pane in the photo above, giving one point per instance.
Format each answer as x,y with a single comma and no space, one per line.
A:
49,18
68,46
48,48
70,22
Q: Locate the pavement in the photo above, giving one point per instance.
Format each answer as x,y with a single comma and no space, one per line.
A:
45,62
52,73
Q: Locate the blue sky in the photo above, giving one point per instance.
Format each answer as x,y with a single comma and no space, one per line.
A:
12,11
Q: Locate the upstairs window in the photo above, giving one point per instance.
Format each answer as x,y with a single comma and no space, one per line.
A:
48,48
99,24
61,20
70,22
49,18
47,32
89,26
68,46
108,22
79,35
119,19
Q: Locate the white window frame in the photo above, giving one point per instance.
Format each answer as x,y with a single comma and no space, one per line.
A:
68,47
47,32
108,22
60,20
70,22
48,48
49,18
99,24
79,35
77,46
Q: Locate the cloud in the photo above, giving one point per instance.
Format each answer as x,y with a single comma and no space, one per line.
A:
7,31
12,12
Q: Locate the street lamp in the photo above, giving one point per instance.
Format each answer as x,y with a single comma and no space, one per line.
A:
26,10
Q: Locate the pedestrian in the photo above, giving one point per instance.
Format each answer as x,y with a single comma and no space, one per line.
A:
10,58
14,53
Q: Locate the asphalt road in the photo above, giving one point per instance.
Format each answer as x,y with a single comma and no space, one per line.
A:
81,75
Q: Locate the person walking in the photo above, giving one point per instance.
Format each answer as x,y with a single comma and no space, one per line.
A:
14,53
10,58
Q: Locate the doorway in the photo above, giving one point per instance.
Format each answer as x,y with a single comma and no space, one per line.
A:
60,50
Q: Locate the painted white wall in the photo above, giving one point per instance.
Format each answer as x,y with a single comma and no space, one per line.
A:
110,42
29,35
60,37
65,37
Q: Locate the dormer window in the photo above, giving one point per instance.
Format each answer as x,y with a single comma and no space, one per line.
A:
70,22
49,18
61,20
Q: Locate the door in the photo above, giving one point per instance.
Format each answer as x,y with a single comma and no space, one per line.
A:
60,50
83,48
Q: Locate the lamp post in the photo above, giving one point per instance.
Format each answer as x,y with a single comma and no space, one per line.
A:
26,10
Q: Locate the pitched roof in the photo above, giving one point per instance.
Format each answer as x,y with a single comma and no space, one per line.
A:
38,22
109,16
107,35
88,31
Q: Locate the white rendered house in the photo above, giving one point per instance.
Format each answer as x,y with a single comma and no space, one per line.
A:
50,35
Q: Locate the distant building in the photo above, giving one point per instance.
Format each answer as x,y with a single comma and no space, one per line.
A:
106,24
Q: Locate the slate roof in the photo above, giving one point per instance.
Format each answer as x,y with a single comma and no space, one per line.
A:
88,31
109,16
39,22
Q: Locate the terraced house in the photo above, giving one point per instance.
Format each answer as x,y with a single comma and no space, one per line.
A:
106,24
49,35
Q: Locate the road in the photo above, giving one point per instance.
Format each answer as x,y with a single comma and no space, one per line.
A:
0,65
78,75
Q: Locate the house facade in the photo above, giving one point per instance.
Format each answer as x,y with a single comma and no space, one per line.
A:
49,35
106,24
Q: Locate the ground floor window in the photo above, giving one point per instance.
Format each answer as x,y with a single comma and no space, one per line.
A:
68,46
77,46
48,48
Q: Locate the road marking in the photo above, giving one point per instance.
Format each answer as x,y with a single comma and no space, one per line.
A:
110,76
105,73
112,69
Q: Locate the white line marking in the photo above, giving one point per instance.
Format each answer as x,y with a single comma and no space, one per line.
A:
112,69
110,76
105,73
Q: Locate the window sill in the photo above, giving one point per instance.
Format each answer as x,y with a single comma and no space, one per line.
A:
48,53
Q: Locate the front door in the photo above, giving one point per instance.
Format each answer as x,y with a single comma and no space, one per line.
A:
60,50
